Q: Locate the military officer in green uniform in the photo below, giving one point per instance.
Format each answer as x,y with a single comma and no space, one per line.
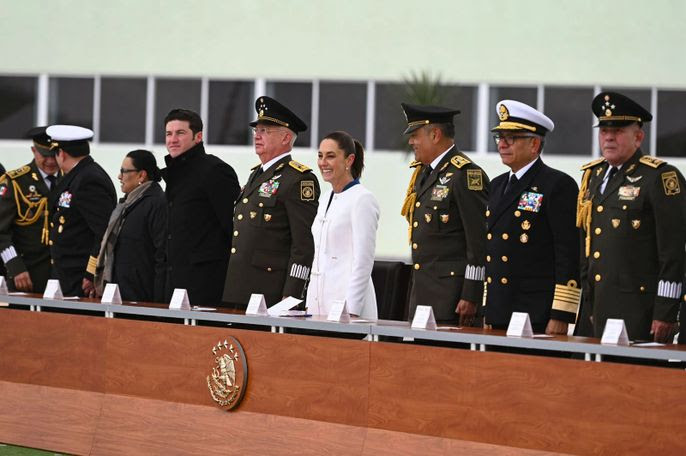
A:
272,248
630,208
24,217
445,207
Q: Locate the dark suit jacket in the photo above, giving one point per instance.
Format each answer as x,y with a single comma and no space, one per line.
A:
532,262
272,248
201,190
80,209
448,236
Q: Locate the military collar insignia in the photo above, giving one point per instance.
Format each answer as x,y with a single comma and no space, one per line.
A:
445,165
281,165
630,169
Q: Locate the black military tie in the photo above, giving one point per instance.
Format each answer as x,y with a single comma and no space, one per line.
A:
425,174
256,174
610,175
52,180
511,183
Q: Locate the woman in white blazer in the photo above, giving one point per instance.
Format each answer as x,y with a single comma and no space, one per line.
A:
344,232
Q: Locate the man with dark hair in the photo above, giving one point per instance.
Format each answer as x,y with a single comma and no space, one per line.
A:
80,207
445,207
631,211
532,247
24,217
201,190
272,247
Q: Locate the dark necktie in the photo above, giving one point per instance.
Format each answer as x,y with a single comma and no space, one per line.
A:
256,174
52,180
610,175
511,183
425,174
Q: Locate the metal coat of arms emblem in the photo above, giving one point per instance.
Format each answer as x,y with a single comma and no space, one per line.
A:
229,376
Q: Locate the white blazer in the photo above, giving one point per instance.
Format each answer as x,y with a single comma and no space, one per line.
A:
344,244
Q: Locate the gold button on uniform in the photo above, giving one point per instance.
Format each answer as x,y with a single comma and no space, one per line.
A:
503,280
599,208
414,224
416,266
504,258
261,204
452,273
489,280
489,236
417,204
240,217
488,213
596,254
643,288
245,200
62,220
597,277
517,213
488,258
269,269
235,233
414,246
50,242
60,228
624,207
233,249
598,230
505,236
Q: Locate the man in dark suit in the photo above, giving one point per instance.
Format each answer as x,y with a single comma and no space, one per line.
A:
24,217
532,248
272,247
80,207
201,190
631,210
445,206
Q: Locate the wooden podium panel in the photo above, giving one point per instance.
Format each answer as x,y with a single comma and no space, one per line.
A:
527,401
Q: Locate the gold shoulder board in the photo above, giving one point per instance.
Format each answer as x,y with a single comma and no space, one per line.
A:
651,161
459,161
299,166
18,172
415,163
593,163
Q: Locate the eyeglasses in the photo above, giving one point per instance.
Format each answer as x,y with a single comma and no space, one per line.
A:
124,170
262,130
509,139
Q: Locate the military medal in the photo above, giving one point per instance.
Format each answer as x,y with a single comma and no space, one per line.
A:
615,223
524,238
439,193
628,192
269,188
530,201
427,217
65,199
253,214
267,217
526,225
445,218
635,224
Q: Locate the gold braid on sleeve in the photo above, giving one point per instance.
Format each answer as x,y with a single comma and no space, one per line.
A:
584,210
407,210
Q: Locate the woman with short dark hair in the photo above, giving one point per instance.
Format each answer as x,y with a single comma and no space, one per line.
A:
132,252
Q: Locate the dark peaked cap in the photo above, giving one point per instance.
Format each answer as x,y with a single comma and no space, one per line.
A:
271,111
417,116
616,110
41,140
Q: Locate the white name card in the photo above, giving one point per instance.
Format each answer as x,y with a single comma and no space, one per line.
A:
520,325
179,300
283,306
615,332
53,290
339,312
3,286
257,305
424,318
111,294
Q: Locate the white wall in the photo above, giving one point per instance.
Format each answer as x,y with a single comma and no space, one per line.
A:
629,43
